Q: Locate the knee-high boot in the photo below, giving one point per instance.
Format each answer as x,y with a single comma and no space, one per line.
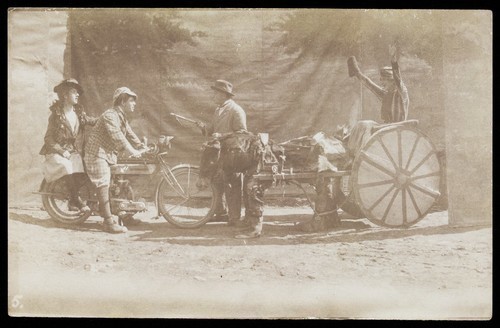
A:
109,223
255,228
254,212
75,203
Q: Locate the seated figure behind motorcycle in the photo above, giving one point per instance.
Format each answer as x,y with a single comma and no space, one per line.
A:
63,141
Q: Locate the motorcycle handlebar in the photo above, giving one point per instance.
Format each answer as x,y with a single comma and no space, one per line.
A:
141,152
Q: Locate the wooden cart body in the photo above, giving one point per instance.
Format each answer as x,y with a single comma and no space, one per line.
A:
394,180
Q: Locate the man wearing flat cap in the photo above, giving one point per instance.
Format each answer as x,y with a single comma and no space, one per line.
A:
228,117
111,134
392,91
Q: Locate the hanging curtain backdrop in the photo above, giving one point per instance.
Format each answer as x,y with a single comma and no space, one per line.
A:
170,59
288,68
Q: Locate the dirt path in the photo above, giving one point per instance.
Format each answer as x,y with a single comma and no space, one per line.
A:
430,271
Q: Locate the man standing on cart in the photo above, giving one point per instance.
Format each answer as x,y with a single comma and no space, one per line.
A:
394,97
228,117
392,92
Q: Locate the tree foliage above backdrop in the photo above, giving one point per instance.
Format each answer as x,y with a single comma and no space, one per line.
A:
318,32
357,32
111,31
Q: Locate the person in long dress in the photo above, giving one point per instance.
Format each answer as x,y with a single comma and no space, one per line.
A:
63,142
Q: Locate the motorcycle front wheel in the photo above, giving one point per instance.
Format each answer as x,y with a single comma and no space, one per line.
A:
179,200
55,199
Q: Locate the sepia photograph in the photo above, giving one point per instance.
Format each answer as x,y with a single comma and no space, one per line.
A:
246,163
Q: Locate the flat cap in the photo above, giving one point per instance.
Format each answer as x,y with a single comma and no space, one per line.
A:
123,90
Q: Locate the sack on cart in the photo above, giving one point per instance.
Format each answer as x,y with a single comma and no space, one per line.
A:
319,152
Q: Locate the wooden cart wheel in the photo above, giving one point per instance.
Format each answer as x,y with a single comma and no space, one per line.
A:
396,177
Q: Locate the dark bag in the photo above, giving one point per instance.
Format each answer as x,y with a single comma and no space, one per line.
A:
300,153
240,152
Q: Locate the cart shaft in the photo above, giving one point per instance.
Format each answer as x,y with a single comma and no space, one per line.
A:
300,175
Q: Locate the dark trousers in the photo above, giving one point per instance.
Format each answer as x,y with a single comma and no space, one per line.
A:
228,192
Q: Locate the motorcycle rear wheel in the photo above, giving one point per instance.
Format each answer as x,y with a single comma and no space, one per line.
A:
181,203
55,202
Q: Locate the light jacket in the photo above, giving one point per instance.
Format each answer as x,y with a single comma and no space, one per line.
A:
232,119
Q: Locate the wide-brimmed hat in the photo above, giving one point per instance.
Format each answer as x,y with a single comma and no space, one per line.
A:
223,86
67,84
123,90
386,72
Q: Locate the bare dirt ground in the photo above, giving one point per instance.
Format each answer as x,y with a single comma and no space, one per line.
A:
429,271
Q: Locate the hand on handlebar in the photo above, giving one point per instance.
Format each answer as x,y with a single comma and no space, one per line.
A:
137,153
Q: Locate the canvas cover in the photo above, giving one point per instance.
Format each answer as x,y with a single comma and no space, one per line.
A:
319,152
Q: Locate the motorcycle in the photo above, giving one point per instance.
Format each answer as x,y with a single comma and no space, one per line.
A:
176,197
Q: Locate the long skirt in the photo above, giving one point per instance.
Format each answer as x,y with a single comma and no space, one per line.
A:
56,166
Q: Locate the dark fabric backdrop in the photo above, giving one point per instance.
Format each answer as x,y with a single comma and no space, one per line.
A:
286,96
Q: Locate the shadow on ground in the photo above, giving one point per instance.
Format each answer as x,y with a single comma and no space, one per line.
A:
275,233
278,230
46,222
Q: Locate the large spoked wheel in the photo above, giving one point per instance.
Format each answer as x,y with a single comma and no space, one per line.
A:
396,177
55,199
181,203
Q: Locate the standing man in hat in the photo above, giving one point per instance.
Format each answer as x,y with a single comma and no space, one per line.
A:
392,92
63,140
111,134
228,117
